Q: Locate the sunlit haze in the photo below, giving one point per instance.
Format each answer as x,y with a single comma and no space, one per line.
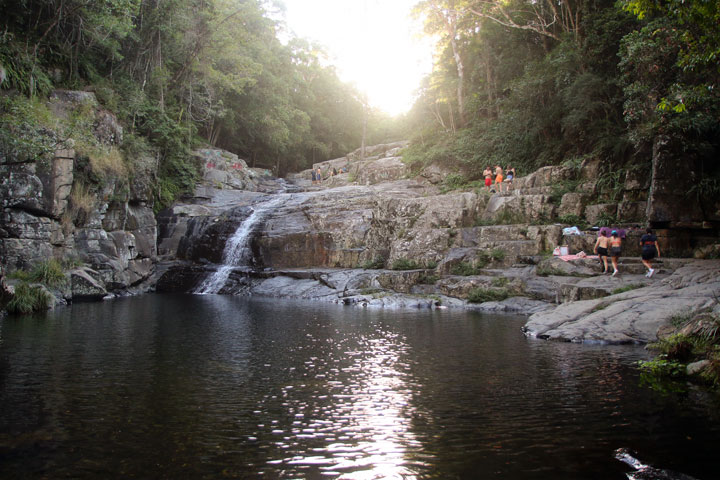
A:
375,45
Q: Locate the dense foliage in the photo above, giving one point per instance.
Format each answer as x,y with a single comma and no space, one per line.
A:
538,83
516,82
179,72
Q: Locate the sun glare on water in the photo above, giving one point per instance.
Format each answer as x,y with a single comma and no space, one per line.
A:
375,45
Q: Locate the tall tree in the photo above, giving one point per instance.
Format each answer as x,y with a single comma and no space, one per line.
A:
444,17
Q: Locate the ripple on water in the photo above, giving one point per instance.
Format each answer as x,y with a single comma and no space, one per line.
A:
217,386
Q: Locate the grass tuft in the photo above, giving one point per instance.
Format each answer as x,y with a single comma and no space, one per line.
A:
28,299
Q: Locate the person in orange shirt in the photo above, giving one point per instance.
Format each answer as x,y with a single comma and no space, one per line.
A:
498,178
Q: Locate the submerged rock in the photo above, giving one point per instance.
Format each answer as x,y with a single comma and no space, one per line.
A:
647,472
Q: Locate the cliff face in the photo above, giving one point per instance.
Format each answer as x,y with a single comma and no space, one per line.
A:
82,200
50,209
371,214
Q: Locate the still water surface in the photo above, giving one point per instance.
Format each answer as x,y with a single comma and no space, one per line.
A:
165,386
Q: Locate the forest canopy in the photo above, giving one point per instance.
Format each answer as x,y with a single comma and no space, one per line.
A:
535,83
515,82
183,72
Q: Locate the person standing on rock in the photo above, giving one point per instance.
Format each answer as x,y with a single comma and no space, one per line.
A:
498,178
509,175
615,250
488,178
650,250
601,249
318,175
314,177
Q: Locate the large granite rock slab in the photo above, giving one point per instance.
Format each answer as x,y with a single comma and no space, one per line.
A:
634,316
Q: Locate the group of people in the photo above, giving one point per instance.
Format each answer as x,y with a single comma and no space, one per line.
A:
317,175
612,247
500,178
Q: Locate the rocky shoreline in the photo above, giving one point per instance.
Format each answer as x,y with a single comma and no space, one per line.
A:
376,235
637,313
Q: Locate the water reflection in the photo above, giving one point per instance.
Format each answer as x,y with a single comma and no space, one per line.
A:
215,386
358,421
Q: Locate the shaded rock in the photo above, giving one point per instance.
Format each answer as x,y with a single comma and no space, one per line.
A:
19,253
668,202
21,188
696,368
176,277
288,287
107,129
518,305
435,174
631,211
594,213
85,287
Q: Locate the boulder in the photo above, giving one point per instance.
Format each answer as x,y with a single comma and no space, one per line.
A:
542,177
224,170
696,368
382,170
21,188
17,253
143,178
107,129
85,286
572,204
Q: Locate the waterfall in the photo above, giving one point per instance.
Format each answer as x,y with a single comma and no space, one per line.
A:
237,250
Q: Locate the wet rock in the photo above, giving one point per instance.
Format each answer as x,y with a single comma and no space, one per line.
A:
287,287
518,305
647,472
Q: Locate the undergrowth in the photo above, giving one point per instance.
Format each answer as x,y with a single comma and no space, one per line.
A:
482,295
28,299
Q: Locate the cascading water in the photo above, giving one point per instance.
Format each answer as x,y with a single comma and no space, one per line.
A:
237,250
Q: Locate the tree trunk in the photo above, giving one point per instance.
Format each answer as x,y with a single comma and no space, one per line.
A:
364,131
452,30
